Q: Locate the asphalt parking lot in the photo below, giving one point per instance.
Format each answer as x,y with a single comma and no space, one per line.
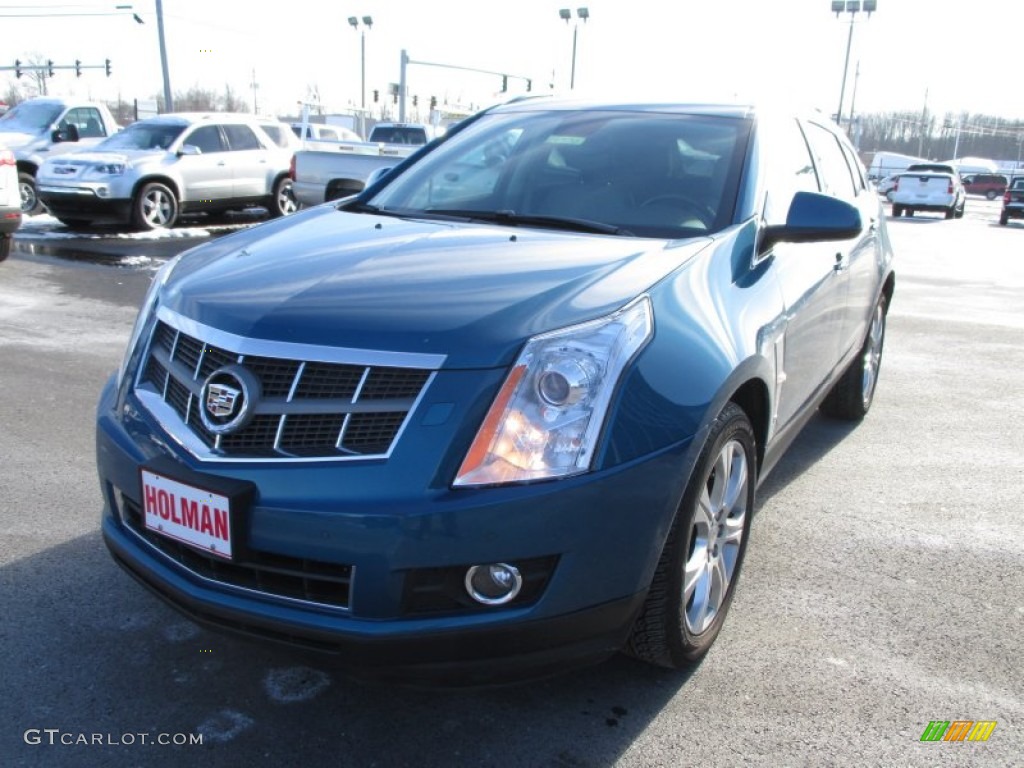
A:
883,587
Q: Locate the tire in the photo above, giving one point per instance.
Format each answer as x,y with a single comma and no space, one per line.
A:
154,207
991,194
704,548
909,213
851,396
897,210
1003,219
960,211
282,202
6,243
951,212
30,203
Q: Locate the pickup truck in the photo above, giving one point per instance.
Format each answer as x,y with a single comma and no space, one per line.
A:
320,175
40,128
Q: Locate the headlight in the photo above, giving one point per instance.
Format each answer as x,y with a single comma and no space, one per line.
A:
159,279
110,169
548,415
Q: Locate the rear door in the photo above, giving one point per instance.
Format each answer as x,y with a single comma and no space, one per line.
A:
250,163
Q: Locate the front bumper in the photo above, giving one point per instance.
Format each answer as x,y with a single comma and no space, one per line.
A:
600,533
84,202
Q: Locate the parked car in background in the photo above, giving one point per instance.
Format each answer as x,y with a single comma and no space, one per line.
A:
928,187
507,409
321,132
161,167
10,201
40,128
1013,201
991,185
885,186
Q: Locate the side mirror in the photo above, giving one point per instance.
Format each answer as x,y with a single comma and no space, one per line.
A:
377,175
814,217
68,133
189,149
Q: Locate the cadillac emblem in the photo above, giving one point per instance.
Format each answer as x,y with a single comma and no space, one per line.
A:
227,399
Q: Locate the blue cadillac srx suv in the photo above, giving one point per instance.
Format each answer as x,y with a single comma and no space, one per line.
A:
507,409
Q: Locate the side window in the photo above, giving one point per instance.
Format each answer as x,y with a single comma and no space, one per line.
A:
207,138
328,135
87,120
833,169
791,170
241,137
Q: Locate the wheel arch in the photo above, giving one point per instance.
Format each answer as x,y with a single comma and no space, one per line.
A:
159,179
27,166
752,396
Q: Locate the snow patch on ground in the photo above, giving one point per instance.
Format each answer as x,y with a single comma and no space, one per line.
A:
293,684
224,726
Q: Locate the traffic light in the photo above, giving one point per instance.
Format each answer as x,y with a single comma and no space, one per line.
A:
108,67
17,67
376,96
49,66
78,68
504,83
529,85
433,102
415,101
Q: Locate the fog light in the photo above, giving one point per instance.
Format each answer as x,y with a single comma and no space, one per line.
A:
102,191
494,584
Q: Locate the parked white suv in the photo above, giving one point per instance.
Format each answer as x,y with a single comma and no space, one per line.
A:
928,187
159,168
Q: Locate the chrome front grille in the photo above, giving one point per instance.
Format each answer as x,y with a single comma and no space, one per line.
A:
314,406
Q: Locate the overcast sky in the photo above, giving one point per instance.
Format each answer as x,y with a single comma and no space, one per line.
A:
960,54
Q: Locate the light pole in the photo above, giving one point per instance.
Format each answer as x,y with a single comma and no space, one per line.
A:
367,24
852,7
566,14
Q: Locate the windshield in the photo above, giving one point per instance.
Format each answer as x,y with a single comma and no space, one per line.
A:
28,117
143,135
643,173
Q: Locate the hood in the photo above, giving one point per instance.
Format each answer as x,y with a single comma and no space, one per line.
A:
128,157
18,139
473,293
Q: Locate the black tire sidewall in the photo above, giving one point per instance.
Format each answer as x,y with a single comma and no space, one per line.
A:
731,424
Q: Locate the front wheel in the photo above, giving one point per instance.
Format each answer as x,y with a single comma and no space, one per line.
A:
30,204
851,397
695,579
155,207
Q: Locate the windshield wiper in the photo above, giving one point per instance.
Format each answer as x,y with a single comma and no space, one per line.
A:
517,219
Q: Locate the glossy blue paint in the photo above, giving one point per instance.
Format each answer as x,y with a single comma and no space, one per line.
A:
775,317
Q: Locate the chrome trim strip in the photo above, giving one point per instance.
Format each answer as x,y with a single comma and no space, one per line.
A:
247,590
297,351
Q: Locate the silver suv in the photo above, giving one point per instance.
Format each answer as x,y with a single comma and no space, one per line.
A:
159,168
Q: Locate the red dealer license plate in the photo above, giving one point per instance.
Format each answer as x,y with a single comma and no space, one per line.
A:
195,516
